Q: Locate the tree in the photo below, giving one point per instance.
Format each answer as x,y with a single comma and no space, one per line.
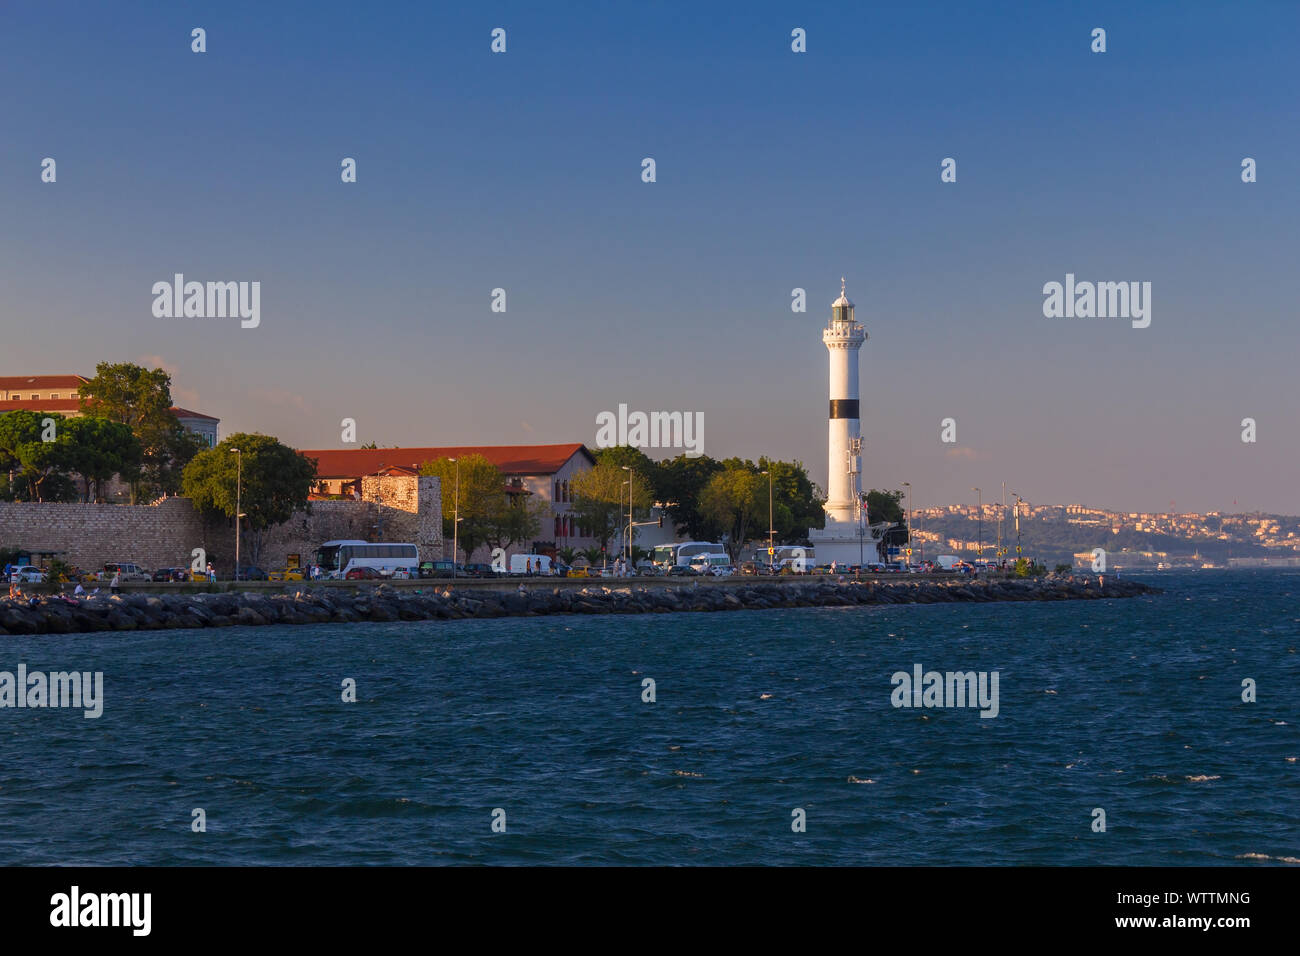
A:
796,506
887,506
517,521
34,466
678,484
477,497
600,499
272,481
96,449
142,399
734,499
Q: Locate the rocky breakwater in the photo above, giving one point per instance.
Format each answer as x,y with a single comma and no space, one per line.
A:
131,612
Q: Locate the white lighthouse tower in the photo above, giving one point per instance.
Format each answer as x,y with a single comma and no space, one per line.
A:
847,538
844,337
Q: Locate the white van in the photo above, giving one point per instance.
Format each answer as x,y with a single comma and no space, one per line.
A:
520,563
705,563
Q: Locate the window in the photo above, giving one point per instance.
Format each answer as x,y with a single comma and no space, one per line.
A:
54,395
36,398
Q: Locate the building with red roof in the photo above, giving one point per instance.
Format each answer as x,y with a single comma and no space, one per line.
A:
541,470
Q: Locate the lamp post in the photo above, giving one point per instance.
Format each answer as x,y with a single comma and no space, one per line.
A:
239,489
455,525
771,523
979,511
908,522
627,552
1017,514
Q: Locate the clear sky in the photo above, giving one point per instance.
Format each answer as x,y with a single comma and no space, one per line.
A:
775,170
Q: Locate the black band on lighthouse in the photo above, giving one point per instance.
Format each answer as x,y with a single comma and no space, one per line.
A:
844,408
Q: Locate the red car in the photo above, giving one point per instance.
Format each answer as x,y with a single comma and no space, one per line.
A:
363,574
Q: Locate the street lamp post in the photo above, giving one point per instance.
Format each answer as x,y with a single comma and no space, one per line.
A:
771,523
239,489
455,525
908,522
627,551
1017,515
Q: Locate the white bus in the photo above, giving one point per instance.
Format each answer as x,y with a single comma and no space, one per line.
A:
680,553
337,558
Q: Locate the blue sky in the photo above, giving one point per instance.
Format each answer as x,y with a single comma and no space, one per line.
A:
775,170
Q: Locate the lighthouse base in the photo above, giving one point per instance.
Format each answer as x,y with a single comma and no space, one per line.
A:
847,543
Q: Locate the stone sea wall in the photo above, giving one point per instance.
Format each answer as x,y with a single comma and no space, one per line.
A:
129,612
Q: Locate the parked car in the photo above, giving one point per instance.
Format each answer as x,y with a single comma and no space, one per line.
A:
125,572
436,569
682,571
364,574
286,574
171,574
480,571
251,573
27,574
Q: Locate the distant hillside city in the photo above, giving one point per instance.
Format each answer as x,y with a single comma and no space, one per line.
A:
1067,534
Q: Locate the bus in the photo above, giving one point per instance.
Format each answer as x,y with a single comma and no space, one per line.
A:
337,558
680,553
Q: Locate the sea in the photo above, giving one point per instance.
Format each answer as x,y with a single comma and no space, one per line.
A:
1159,730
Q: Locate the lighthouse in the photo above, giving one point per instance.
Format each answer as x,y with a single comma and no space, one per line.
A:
843,337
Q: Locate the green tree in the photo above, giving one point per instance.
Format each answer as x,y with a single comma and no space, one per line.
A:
600,499
473,490
678,483
34,467
272,481
734,499
517,521
796,504
96,449
141,399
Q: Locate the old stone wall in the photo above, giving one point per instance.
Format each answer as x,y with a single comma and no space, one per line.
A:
165,533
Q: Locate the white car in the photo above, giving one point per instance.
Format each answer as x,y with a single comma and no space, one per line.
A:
27,575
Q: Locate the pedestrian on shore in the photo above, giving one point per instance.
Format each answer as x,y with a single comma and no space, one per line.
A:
79,591
115,583
212,573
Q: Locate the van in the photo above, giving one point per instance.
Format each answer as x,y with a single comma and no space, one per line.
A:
520,563
126,572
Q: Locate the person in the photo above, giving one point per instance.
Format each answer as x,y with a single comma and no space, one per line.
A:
116,582
79,591
212,573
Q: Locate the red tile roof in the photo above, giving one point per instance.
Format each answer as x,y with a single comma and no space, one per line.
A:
42,405
73,406
26,382
510,459
186,413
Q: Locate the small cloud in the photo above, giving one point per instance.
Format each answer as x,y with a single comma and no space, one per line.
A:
968,454
185,397
526,427
281,398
